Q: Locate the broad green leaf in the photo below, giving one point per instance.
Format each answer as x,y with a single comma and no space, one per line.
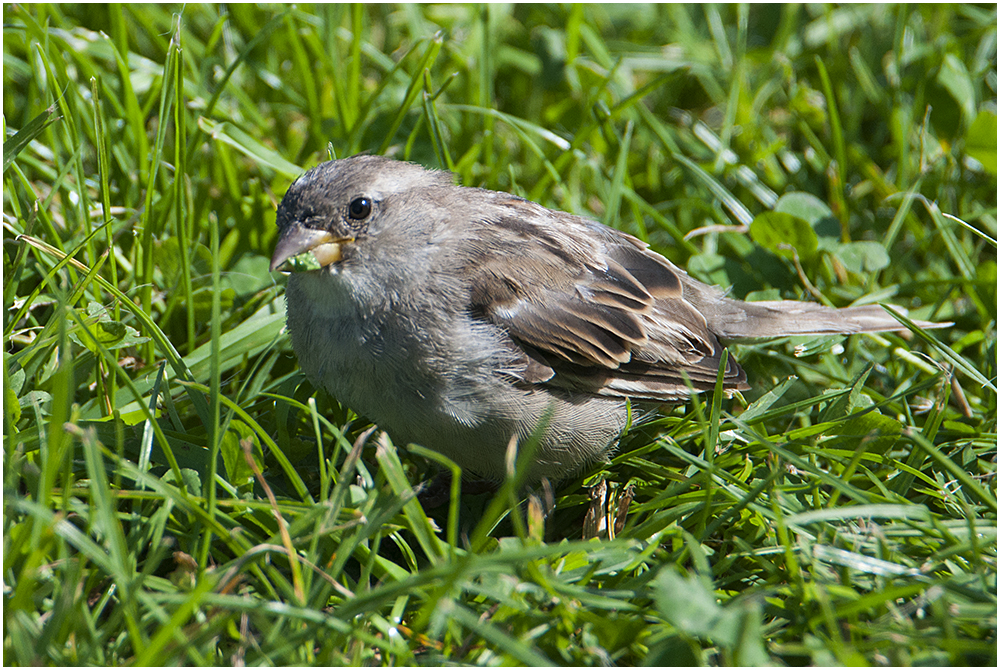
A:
863,257
709,268
803,205
781,233
31,398
14,376
981,141
109,333
856,400
249,275
879,432
958,427
686,603
954,78
192,480
764,294
238,471
12,383
810,208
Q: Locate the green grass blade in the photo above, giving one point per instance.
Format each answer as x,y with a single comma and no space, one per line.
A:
13,146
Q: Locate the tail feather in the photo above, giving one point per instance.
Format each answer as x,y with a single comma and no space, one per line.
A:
738,320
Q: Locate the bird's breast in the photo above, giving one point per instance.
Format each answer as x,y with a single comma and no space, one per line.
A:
383,362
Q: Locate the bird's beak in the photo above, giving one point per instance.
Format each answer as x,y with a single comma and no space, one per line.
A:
310,248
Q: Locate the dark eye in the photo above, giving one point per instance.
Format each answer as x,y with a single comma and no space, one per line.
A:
359,208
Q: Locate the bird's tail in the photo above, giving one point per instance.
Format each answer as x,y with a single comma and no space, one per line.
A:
736,320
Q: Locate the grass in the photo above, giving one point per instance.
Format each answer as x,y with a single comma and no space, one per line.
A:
175,492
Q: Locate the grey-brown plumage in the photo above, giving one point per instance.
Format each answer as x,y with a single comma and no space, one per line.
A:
458,317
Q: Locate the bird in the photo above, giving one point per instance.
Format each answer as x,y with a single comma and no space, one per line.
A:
466,320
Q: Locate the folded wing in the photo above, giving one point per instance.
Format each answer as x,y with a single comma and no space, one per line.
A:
593,309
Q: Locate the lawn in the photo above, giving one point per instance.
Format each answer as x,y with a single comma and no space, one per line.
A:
176,492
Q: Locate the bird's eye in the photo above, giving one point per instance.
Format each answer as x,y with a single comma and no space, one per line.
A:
359,208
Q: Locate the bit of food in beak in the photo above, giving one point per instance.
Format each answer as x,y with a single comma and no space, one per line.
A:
304,262
302,249
327,253
314,259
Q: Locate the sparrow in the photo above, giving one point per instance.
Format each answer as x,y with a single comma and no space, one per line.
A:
464,319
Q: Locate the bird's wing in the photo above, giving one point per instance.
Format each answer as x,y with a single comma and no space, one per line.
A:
591,308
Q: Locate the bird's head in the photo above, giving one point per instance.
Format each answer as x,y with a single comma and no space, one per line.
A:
337,207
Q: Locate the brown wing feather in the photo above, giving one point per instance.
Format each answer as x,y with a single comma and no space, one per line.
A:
592,308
